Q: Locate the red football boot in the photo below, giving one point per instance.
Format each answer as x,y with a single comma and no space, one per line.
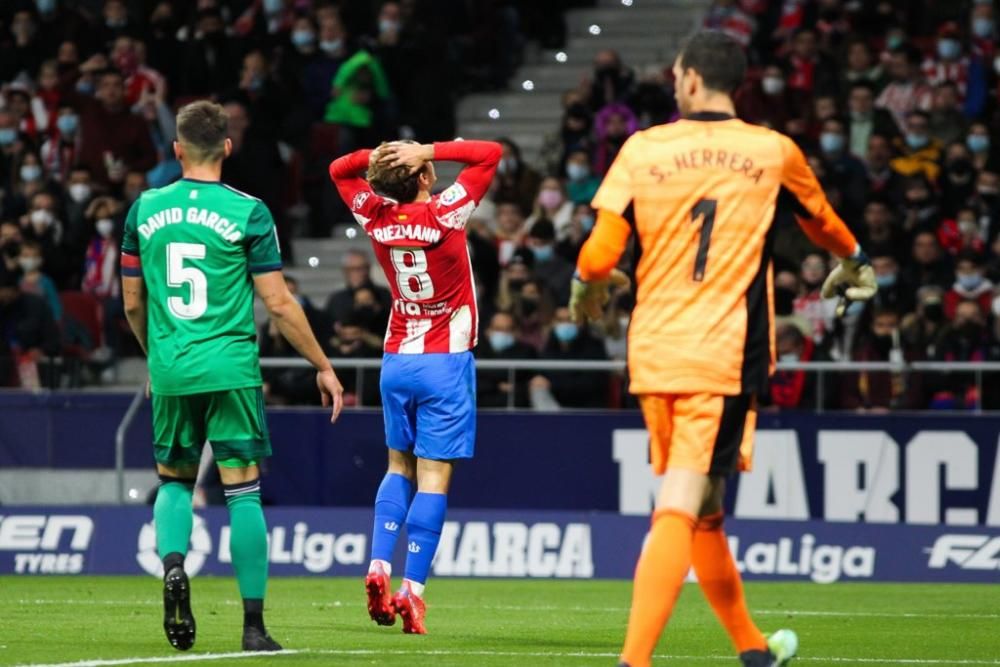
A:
380,603
412,609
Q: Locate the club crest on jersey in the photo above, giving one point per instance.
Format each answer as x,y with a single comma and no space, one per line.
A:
359,200
453,194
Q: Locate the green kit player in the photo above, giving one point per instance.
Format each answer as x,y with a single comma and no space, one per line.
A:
192,254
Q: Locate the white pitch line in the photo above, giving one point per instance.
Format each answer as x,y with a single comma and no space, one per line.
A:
484,653
191,657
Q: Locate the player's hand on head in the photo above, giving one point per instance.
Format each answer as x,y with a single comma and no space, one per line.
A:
331,392
853,280
398,154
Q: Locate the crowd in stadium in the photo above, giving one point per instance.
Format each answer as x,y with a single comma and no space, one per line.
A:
895,103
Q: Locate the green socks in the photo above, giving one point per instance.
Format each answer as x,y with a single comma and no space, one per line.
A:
172,514
247,538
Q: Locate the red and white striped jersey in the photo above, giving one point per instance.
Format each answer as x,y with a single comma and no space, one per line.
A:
422,248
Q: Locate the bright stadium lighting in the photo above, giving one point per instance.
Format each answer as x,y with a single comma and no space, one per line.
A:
494,113
627,3
594,29
561,57
133,493
314,262
528,84
350,232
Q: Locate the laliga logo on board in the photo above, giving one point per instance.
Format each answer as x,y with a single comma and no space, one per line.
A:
149,559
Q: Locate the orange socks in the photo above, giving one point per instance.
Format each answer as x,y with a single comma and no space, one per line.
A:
662,567
721,583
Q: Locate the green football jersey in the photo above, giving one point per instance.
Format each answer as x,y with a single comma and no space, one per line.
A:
198,244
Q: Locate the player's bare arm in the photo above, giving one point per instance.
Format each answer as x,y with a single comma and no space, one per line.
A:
291,321
134,296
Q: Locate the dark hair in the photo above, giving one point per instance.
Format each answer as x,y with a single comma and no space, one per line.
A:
543,230
717,58
395,182
867,85
203,127
969,256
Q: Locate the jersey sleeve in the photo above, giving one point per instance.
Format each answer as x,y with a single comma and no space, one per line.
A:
456,204
616,192
131,262
812,210
602,250
346,172
263,250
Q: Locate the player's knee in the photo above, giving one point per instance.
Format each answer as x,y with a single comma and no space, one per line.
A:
433,476
403,463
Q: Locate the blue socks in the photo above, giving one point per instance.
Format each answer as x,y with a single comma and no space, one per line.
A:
423,528
391,506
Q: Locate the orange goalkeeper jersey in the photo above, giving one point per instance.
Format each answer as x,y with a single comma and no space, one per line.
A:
702,193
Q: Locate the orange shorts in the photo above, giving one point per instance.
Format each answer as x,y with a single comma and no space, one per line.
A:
707,433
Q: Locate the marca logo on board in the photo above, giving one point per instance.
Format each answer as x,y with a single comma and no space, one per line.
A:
46,543
967,552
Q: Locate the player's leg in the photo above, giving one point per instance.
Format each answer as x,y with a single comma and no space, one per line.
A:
446,432
178,435
237,429
713,562
392,502
679,427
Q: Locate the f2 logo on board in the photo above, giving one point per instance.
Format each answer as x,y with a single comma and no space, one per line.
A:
968,552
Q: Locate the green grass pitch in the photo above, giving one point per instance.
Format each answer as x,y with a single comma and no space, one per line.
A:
88,620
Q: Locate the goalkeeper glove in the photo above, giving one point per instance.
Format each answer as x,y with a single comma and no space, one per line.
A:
853,280
587,299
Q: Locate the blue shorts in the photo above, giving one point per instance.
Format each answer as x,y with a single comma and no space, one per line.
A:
429,404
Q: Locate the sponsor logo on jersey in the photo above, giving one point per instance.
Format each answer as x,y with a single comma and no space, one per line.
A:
46,544
413,548
453,194
391,525
968,552
359,200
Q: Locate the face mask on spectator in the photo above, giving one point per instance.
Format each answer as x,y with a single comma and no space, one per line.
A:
982,27
7,136
623,322
916,141
893,41
949,49
79,192
587,222
501,341
968,227
30,172
330,45
85,87
970,281
302,38
114,24
831,142
576,171
45,6
67,124
30,264
550,198
978,143
104,227
388,25
273,6
788,357
565,332
885,280
256,82
508,165
41,219
542,253
772,85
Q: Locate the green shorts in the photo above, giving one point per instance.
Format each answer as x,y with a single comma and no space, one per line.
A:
231,420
